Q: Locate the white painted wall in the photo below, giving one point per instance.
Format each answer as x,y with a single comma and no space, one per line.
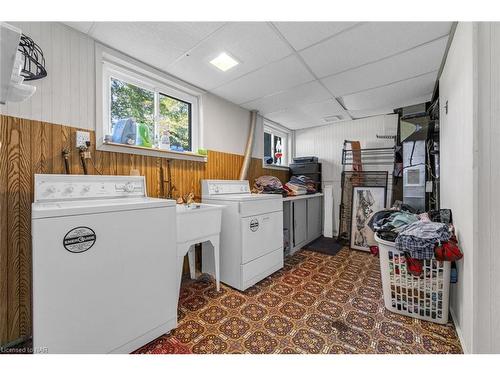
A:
487,338
326,143
458,170
67,95
470,151
225,127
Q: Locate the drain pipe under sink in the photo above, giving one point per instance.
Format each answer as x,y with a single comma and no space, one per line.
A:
248,150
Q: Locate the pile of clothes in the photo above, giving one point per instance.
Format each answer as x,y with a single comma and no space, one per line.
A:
300,185
388,223
268,185
416,235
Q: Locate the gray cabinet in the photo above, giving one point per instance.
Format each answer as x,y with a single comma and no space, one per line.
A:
302,221
299,209
314,218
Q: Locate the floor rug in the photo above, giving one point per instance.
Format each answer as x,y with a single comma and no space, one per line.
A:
315,304
324,245
164,345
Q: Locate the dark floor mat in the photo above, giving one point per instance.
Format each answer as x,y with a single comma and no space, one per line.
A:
324,245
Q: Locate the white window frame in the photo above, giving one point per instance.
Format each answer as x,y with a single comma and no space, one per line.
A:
287,137
110,63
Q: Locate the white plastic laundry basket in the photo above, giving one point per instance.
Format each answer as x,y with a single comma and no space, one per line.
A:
425,297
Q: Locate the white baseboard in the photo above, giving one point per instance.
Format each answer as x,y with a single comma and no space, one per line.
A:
459,332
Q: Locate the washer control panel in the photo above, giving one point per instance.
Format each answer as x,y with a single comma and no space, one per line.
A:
50,187
220,187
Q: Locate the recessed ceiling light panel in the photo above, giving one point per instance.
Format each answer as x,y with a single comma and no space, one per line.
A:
224,62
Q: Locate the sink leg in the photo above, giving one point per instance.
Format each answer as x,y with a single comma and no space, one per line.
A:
215,244
192,261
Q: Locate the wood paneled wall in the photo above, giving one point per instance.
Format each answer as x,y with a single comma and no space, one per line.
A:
28,147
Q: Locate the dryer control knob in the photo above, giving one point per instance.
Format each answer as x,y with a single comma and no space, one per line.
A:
129,187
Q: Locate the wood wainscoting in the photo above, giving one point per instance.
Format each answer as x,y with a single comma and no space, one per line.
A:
28,147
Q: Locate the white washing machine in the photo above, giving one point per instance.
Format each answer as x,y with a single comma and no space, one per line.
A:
251,239
104,264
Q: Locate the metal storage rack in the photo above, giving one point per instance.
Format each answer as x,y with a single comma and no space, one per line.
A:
356,159
369,156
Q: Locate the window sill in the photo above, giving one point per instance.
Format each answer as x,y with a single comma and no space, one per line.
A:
278,167
146,151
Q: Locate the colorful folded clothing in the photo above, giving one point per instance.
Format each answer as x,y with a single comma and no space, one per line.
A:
300,185
293,189
268,185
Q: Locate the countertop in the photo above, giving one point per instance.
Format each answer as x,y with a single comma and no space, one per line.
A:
306,196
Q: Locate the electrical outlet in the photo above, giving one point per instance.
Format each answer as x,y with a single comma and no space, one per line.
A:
82,138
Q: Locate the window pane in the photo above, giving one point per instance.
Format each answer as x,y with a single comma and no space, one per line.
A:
268,158
175,119
278,149
132,102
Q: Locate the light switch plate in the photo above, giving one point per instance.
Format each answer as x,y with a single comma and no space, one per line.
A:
82,138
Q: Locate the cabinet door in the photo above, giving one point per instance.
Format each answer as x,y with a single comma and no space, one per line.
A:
299,222
314,218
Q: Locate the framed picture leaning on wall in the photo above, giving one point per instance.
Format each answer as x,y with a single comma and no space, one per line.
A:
365,201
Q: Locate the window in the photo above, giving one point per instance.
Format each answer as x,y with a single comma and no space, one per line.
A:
175,120
276,145
144,110
134,103
134,106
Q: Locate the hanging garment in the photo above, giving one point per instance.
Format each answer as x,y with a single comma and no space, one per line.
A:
419,239
356,156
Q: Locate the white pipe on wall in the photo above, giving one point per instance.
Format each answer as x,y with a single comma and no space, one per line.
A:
248,149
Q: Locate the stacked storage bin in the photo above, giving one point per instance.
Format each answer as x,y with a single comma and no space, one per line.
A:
307,166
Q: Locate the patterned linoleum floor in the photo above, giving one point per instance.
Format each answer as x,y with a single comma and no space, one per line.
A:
316,304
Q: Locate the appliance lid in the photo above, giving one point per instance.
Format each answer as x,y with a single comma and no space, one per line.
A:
243,197
85,207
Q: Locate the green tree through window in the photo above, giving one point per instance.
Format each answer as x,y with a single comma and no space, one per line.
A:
130,101
175,115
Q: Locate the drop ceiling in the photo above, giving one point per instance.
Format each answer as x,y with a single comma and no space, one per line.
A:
299,74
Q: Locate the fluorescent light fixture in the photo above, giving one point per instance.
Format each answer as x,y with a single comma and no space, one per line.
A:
224,62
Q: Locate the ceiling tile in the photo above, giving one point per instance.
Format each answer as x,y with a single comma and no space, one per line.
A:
371,112
270,79
303,34
370,42
418,61
155,43
253,44
307,115
400,94
303,94
84,27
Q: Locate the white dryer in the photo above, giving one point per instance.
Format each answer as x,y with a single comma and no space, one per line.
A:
251,239
104,264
